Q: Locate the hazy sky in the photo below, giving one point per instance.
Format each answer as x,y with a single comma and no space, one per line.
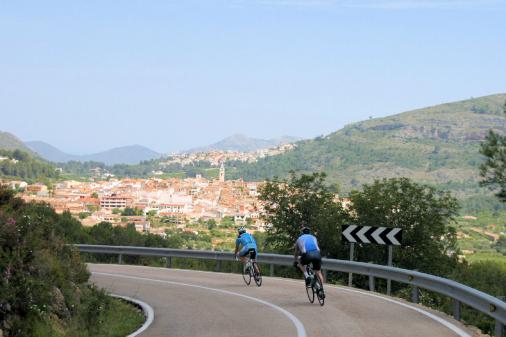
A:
90,75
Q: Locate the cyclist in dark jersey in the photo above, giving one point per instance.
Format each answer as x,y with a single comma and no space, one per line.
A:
306,252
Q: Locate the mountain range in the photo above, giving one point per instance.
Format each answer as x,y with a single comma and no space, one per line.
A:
134,154
438,145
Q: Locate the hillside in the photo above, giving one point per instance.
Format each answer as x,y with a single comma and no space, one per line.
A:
436,145
132,154
10,142
17,164
244,143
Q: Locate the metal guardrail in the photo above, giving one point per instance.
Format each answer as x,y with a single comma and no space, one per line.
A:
460,293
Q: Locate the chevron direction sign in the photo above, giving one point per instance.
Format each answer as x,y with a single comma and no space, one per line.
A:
369,234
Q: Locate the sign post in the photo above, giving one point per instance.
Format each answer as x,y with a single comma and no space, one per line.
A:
389,281
350,275
368,234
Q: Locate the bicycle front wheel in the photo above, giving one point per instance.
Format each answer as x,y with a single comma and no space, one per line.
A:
246,275
310,294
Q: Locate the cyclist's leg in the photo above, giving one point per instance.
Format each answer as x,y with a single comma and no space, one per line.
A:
317,266
243,255
302,265
320,276
253,256
303,262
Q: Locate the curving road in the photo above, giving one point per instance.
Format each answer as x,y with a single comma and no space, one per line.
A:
193,303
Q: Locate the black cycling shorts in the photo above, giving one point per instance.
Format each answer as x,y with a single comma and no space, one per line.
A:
252,253
313,257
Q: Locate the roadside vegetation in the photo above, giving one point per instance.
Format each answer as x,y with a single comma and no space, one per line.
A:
44,289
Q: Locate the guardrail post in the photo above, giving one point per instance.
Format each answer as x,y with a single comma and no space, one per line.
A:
218,265
271,269
324,273
169,261
456,309
499,329
120,258
414,294
371,283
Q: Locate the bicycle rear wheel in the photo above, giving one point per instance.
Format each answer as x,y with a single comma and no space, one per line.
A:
319,292
246,274
257,276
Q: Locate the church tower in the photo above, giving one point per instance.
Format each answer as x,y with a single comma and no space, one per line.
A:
222,172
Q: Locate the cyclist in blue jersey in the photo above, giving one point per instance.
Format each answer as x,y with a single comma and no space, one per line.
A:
245,245
306,252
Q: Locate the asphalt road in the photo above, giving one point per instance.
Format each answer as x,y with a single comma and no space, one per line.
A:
192,303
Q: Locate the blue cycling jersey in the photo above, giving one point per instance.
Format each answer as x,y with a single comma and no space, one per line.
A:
247,241
307,243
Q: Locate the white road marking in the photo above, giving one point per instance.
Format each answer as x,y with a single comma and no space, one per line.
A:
447,324
148,312
301,331
438,319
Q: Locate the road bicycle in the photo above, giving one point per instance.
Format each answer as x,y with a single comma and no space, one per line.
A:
315,286
248,272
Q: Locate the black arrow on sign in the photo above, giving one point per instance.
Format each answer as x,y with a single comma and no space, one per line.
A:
368,234
383,236
354,233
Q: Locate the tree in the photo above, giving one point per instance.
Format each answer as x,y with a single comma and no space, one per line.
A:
500,245
425,215
84,215
129,211
305,200
211,224
487,276
493,170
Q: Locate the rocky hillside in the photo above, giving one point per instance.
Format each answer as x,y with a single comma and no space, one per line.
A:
436,145
242,143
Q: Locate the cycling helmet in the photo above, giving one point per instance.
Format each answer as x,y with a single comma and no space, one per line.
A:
306,230
241,230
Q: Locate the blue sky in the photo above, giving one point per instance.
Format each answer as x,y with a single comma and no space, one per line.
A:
90,75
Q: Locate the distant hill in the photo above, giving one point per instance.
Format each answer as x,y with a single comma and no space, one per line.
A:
132,154
436,145
50,152
10,142
242,143
18,164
